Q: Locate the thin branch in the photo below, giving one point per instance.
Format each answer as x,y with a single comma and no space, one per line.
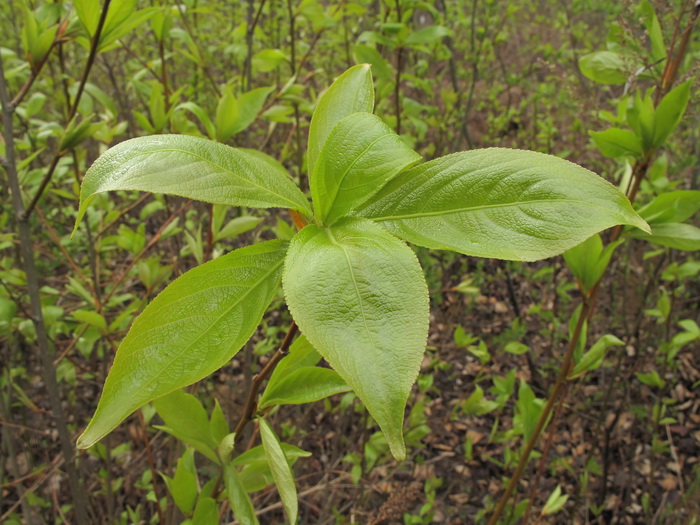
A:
73,110
32,278
251,404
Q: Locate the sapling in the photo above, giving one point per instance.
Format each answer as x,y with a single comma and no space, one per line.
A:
353,286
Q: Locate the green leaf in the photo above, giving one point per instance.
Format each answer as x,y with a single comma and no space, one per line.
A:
361,154
193,168
236,226
249,105
352,92
268,60
359,296
672,234
555,502
651,379
604,67
588,260
238,498
670,111
617,142
88,13
381,69
91,318
206,512
122,23
304,385
592,359
426,36
656,36
183,486
281,472
186,419
226,116
190,330
499,203
672,206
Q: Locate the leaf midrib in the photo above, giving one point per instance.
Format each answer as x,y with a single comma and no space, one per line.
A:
347,170
206,331
485,207
209,161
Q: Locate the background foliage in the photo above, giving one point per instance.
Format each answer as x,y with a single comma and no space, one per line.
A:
573,79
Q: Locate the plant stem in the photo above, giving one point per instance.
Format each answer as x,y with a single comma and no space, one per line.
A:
258,380
561,379
27,252
73,110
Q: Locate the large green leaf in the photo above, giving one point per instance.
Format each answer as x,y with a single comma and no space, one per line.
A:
190,330
359,296
361,154
194,168
281,472
352,92
499,203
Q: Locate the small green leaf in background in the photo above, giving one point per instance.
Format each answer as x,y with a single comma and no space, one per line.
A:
206,512
592,359
680,236
352,92
268,60
201,115
190,330
670,111
555,502
604,67
304,385
617,142
426,36
226,116
194,168
651,379
249,105
671,206
284,478
499,203
359,295
238,498
360,155
656,36
186,419
589,260
641,118
184,487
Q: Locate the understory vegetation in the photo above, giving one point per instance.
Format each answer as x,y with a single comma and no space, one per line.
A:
552,389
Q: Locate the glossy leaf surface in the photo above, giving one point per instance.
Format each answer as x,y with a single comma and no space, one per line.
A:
499,203
361,154
194,168
190,330
352,92
358,294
